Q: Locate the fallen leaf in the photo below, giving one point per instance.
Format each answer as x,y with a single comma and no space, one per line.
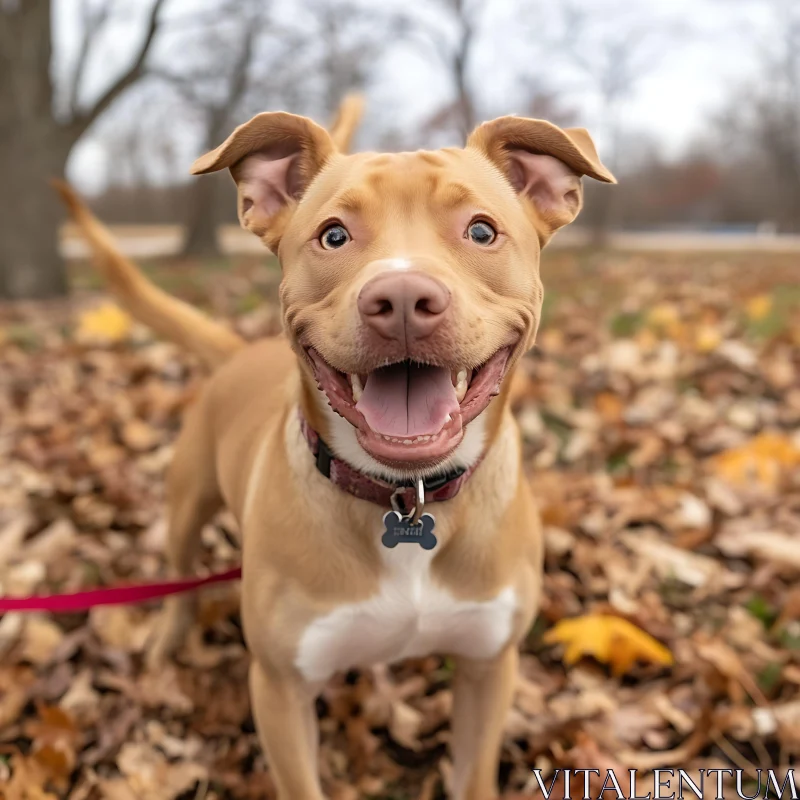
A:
707,338
105,324
758,307
11,627
139,436
781,548
125,628
405,724
148,774
40,639
15,690
611,640
28,780
764,459
55,742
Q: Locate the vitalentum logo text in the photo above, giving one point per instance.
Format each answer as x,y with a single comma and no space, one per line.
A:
668,784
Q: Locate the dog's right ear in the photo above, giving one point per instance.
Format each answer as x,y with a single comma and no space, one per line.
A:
273,159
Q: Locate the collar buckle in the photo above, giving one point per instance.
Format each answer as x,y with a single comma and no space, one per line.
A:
324,456
435,482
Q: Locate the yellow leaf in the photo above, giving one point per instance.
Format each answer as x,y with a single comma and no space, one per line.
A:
610,639
666,318
758,307
106,323
663,314
707,338
762,459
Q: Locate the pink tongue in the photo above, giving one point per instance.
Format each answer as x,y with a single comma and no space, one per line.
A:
408,400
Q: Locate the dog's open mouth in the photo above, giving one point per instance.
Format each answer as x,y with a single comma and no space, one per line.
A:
409,413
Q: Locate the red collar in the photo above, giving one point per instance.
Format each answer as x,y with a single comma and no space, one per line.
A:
437,487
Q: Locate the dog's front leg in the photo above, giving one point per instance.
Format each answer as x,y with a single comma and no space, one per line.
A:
287,727
482,695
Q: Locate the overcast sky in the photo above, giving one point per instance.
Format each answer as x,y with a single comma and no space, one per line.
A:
700,50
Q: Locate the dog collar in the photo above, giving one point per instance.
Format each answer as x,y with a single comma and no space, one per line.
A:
443,486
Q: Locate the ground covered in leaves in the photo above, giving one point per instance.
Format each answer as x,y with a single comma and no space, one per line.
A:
660,414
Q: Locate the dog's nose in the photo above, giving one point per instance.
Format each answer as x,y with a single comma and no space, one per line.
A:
403,305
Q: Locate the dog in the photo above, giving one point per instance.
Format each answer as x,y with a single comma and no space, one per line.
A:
369,453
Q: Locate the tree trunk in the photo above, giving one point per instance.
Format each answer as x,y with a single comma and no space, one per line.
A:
201,224
33,148
606,216
36,138
30,263
203,217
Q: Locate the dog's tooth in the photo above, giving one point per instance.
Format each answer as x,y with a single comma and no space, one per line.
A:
407,441
358,389
461,387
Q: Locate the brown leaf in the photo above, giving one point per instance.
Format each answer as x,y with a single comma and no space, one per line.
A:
40,639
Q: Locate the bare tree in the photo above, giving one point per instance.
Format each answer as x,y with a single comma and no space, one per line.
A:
38,130
462,38
216,88
451,47
257,60
612,47
337,45
766,114
753,140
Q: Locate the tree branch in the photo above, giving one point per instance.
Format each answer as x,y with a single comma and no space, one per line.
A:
136,70
241,68
424,39
91,24
184,85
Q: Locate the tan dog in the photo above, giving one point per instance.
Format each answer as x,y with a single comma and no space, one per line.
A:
410,291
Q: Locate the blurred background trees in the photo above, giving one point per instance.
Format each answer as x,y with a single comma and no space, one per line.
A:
42,117
122,96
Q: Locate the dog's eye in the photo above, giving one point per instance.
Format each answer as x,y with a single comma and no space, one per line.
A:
481,233
334,237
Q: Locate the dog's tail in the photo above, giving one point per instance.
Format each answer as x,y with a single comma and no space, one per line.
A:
347,120
166,315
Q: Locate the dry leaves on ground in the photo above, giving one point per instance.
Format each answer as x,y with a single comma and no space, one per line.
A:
660,413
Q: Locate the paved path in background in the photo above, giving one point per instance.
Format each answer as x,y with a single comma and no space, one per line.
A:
153,241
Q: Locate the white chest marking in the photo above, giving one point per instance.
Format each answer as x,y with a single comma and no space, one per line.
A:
409,616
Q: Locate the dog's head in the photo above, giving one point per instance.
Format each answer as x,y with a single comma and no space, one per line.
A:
410,280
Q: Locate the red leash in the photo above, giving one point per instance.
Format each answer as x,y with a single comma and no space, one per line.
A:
113,595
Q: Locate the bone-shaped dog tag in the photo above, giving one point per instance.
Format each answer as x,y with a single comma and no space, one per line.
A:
399,528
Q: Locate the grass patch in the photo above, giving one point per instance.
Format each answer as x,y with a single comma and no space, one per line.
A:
626,323
759,608
769,677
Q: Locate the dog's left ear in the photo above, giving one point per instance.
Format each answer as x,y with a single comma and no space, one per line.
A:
543,163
